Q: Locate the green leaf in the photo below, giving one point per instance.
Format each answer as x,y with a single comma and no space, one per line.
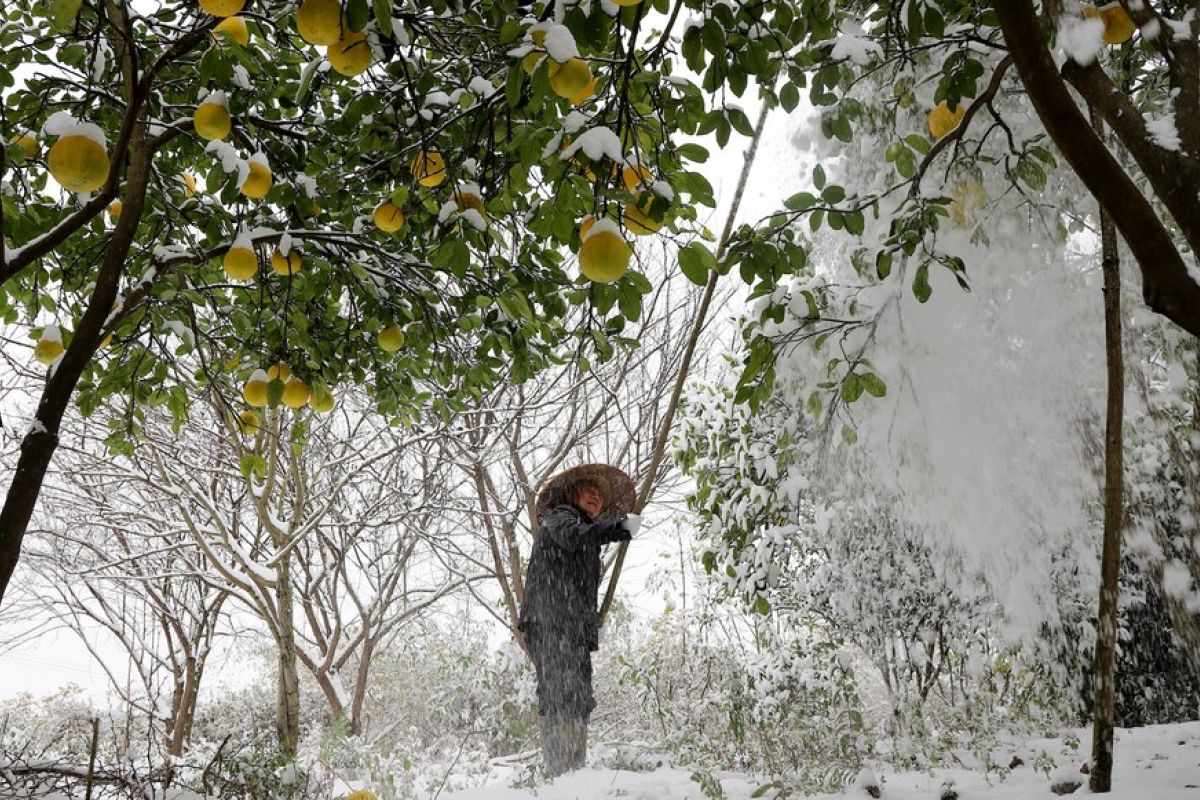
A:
883,264
800,201
713,35
696,261
819,177
873,385
833,194
740,122
919,143
253,465
516,305
921,288
357,14
935,23
62,14
509,31
383,17
692,152
512,85
761,606
852,387
789,97
854,222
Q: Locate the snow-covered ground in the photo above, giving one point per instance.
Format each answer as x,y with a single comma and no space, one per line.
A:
1155,763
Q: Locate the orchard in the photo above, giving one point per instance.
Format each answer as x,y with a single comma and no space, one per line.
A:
269,205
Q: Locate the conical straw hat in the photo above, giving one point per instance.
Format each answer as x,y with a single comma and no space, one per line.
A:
616,487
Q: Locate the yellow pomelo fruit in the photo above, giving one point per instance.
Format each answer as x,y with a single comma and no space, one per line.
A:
638,220
429,168
222,8
604,257
240,263
586,226
321,399
114,210
388,218
212,121
531,60
234,29
350,55
539,38
258,182
969,196
466,198
248,423
362,794
47,351
571,79
1118,27
634,175
285,266
280,371
27,143
78,163
942,120
254,392
391,339
319,21
189,184
295,393
586,94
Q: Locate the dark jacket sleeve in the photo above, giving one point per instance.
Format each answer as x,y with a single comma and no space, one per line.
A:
562,528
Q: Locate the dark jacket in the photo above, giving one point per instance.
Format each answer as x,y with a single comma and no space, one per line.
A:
564,575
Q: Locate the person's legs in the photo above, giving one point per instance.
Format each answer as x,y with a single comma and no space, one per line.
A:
577,742
564,673
555,747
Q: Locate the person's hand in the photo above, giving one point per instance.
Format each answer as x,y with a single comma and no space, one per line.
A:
631,523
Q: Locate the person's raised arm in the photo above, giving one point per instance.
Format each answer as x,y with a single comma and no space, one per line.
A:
562,528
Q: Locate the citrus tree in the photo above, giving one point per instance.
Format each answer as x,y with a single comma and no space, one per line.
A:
362,192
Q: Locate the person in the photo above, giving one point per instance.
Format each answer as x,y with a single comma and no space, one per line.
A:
578,511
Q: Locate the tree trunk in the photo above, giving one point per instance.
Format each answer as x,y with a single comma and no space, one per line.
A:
185,708
287,707
1110,562
325,682
360,686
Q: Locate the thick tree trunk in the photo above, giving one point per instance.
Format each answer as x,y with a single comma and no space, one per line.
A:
1110,562
1166,285
287,708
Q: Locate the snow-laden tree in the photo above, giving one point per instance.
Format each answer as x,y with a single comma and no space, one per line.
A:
420,181
319,534
129,578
